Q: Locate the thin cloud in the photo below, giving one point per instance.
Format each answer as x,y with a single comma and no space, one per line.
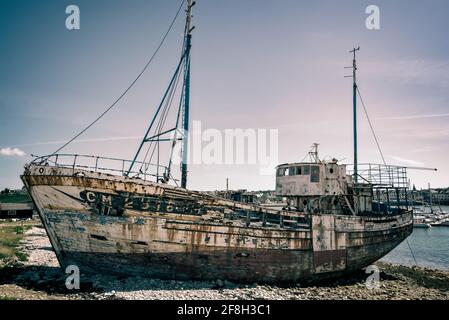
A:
78,141
422,116
407,161
418,71
11,152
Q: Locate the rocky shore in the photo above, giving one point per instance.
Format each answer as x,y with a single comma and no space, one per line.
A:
40,278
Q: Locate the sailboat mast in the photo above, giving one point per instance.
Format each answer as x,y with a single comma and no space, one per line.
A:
354,92
186,107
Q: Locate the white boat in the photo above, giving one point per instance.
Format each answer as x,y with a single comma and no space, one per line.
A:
421,222
421,225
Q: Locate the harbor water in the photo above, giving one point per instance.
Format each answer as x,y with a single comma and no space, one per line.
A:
425,247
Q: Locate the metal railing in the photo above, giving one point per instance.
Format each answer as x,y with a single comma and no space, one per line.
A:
114,166
382,175
389,185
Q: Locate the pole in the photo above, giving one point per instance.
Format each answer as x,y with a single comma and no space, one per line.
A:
186,95
354,92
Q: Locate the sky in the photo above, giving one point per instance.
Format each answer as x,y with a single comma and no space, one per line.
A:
256,64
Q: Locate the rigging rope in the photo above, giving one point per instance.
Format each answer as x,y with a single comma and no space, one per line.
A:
160,125
406,240
163,117
181,100
371,126
383,159
374,135
129,87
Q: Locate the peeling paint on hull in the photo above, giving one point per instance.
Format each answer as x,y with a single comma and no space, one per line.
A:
110,224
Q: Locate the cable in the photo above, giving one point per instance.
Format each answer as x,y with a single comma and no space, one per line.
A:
129,87
164,114
161,122
374,135
416,263
383,159
371,126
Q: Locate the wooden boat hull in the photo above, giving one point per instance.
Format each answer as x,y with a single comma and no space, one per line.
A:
106,224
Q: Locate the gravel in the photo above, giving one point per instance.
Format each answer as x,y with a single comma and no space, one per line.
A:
41,278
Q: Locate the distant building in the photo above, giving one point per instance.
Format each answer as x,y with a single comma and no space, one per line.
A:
16,204
16,210
440,196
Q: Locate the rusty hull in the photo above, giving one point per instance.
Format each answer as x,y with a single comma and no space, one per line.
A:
112,224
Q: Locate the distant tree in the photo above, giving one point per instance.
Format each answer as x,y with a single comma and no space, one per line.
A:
414,188
5,191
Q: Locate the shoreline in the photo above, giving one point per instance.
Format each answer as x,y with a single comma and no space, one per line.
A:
39,277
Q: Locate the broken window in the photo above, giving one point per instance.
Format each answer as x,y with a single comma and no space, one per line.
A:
305,170
281,172
315,174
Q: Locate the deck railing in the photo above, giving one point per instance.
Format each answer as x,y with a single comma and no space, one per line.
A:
380,175
389,185
114,166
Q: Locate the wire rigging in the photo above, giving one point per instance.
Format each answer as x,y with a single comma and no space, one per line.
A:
381,154
130,86
160,124
167,103
371,126
413,255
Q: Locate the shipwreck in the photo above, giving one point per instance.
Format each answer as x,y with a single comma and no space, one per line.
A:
133,217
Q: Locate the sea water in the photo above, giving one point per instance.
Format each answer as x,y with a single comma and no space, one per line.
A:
425,247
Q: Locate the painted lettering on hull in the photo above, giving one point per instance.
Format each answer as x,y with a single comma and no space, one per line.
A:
115,205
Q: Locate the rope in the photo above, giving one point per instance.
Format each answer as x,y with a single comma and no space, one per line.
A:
163,117
371,126
129,87
416,263
161,122
383,159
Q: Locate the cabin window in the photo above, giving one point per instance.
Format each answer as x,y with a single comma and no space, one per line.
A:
296,171
315,174
292,171
281,172
306,170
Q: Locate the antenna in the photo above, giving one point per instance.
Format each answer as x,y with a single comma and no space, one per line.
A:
354,88
313,153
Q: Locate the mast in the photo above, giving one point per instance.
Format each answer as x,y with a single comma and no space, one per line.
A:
354,92
186,106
